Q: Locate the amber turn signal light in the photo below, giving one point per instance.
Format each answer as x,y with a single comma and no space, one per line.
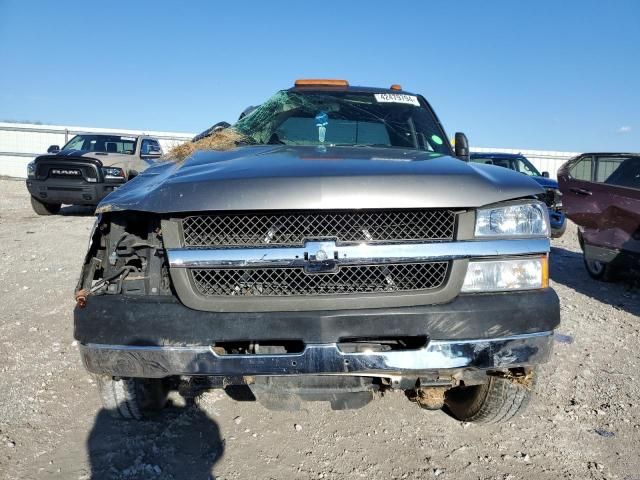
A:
308,82
545,271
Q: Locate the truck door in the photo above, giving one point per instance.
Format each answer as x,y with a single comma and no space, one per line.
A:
575,179
616,195
601,194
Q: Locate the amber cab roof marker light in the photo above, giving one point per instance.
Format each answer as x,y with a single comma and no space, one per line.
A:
319,82
395,86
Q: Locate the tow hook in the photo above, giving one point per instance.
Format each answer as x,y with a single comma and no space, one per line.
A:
431,398
81,298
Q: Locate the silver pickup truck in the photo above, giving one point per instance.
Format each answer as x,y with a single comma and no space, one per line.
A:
338,249
87,169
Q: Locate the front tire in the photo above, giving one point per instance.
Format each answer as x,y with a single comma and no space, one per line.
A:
132,398
44,208
496,401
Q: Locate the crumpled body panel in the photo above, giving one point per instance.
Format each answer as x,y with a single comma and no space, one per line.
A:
311,178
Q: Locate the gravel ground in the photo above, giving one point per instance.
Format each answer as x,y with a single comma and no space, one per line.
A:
583,423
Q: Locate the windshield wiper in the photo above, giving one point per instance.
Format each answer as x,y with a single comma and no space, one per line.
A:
379,145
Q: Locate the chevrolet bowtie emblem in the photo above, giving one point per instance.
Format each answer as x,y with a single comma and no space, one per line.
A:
320,257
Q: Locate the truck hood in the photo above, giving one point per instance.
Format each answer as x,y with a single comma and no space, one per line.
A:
107,159
310,178
546,182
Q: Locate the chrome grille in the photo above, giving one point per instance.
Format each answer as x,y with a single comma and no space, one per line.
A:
293,228
295,281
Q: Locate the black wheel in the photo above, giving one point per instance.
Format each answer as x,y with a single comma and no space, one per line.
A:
133,398
496,401
597,270
44,208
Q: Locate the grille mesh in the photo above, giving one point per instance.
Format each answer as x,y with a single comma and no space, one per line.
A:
294,281
293,228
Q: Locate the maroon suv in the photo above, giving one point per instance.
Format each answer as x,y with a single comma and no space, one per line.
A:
601,193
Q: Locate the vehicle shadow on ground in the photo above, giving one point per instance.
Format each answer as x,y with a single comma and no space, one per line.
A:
567,268
77,211
179,443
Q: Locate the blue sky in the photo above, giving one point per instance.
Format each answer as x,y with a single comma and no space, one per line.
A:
560,75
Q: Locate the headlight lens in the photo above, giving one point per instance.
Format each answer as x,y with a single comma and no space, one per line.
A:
520,219
504,275
113,173
31,170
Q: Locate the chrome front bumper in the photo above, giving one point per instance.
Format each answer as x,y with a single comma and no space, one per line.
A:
320,359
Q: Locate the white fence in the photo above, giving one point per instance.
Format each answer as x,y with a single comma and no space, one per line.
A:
22,142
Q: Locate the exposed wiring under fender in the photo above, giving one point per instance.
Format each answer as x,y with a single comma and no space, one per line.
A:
126,256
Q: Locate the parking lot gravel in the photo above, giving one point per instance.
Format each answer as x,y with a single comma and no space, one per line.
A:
583,423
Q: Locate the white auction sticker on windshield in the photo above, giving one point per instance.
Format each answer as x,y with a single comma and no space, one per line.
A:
129,139
397,98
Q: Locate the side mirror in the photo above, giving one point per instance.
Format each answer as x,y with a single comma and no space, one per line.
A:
53,149
462,146
545,174
151,151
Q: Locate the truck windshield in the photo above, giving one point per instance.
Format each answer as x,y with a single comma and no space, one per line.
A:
103,143
523,165
362,119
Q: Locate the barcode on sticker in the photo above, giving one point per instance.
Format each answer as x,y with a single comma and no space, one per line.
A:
397,98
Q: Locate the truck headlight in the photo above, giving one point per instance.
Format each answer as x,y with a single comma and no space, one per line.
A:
113,173
518,219
504,275
31,170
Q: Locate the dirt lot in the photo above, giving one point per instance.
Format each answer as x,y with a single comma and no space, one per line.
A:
584,422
